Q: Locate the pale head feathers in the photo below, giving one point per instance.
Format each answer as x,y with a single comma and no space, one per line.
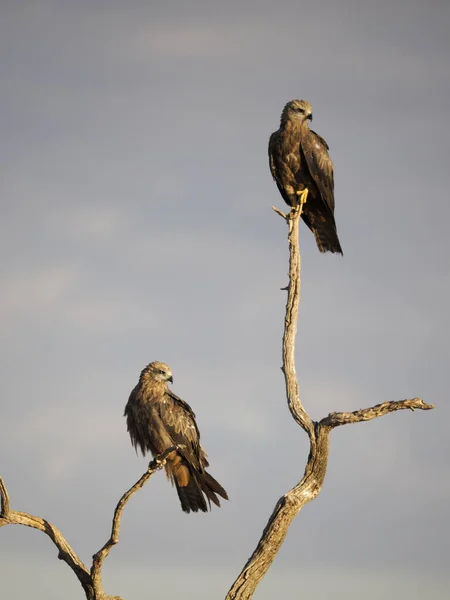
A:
157,371
299,111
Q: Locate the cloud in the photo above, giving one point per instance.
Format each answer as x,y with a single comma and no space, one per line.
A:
185,42
95,223
36,292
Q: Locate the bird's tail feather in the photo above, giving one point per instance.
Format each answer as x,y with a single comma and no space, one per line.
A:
211,487
325,233
200,485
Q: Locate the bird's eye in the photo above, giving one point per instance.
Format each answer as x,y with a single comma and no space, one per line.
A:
161,372
300,110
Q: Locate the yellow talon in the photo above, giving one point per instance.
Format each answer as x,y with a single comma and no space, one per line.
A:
303,195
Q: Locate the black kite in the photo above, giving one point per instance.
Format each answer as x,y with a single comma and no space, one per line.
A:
158,419
299,161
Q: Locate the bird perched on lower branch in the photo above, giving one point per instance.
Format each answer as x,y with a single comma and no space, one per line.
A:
158,419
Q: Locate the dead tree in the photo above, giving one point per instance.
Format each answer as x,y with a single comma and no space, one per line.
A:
287,507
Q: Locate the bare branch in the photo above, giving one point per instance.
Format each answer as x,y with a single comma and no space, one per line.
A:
90,580
290,326
66,552
289,505
309,487
286,509
98,558
279,212
4,500
366,414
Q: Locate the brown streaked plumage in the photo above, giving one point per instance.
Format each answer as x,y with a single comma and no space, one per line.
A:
299,159
158,419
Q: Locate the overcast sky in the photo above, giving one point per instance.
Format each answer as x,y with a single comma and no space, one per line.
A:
136,226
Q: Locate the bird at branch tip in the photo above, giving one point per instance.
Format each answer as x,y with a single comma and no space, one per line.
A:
301,166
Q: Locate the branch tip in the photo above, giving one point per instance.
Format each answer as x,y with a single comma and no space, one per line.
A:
4,500
279,212
367,414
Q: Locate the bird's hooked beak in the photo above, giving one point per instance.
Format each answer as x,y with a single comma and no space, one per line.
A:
170,379
309,117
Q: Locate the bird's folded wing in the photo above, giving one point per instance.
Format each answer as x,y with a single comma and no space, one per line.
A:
320,166
178,419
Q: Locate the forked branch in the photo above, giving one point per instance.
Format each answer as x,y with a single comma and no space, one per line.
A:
289,505
90,580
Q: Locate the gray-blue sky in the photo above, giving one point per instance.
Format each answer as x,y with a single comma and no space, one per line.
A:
136,225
